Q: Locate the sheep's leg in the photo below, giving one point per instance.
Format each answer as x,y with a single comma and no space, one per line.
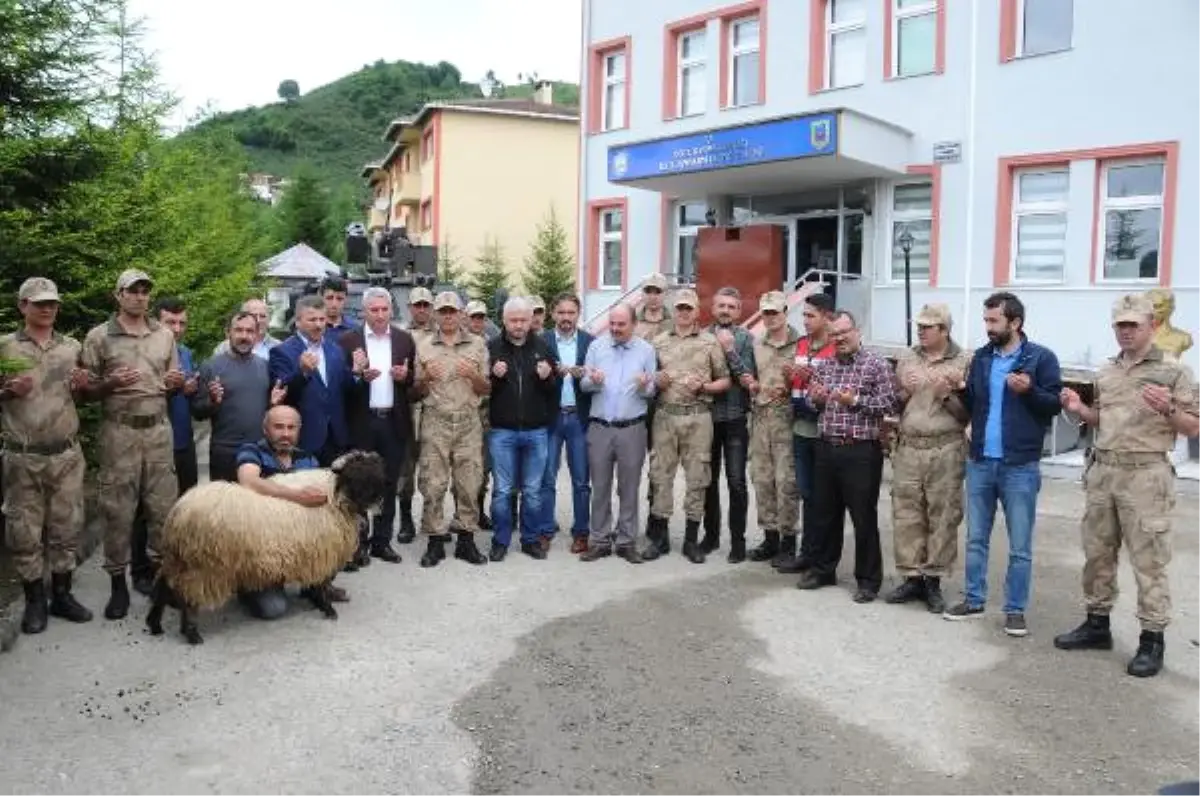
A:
160,595
187,625
319,595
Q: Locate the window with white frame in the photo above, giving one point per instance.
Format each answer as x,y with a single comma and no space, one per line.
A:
914,37
1131,205
912,211
691,77
845,43
688,219
743,61
614,91
1039,228
612,230
1044,26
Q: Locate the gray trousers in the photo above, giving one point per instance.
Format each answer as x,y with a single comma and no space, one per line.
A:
622,450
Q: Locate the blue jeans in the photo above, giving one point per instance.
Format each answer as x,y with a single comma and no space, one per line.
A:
514,452
1016,488
570,430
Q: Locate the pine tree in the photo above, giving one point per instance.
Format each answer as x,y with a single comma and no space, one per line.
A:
304,214
490,275
449,269
549,267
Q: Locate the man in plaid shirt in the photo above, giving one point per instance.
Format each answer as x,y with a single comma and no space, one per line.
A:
853,392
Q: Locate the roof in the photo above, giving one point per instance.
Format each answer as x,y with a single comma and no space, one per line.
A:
526,107
299,262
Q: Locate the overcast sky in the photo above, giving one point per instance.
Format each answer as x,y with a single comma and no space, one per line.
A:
235,52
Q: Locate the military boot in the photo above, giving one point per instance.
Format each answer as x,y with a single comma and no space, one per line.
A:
34,620
933,595
62,603
911,589
658,538
1149,658
435,551
118,603
769,547
408,528
466,550
787,550
691,548
1093,634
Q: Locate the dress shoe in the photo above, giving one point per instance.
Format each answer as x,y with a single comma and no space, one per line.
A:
465,550
629,553
814,580
864,595
579,545
786,552
533,550
435,551
118,602
498,552
384,552
546,541
711,541
596,553
737,550
62,603
34,619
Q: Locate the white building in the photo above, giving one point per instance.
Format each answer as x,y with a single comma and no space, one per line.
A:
1047,147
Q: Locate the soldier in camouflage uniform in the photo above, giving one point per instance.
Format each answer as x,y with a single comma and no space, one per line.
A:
930,460
43,463
692,369
421,325
651,318
1143,401
772,461
451,377
132,363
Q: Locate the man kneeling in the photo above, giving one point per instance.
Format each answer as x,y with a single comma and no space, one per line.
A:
277,453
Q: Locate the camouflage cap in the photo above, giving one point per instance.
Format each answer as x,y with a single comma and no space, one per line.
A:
686,298
774,301
131,276
447,299
1132,308
37,288
655,280
934,315
538,303
420,294
476,308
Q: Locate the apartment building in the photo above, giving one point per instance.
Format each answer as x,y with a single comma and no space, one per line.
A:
1047,147
471,172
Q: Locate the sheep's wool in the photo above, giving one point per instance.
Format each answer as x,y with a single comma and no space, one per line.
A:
221,538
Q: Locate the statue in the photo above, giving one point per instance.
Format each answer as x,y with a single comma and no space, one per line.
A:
1171,341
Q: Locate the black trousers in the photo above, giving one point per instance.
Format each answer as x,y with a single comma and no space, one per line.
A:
731,439
847,479
222,464
187,473
382,438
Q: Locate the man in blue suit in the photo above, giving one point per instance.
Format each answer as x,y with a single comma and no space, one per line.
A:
317,376
571,408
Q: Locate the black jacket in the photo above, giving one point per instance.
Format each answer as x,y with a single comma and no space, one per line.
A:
520,401
583,400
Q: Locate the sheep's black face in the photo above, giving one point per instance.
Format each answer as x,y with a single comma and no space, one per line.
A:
361,480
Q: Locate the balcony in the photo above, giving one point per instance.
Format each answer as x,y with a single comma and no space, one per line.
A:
407,188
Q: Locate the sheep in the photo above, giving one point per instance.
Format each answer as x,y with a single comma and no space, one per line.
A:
221,538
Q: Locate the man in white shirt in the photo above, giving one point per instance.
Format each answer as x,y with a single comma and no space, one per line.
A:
377,408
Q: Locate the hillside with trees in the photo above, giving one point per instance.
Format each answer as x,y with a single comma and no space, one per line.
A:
334,129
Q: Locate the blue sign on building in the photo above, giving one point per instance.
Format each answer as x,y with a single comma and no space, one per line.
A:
782,139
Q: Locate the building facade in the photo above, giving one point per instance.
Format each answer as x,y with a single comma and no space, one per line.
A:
982,134
479,174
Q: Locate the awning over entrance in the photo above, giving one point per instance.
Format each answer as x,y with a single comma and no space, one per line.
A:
776,155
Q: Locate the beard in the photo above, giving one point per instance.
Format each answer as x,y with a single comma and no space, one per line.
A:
1001,338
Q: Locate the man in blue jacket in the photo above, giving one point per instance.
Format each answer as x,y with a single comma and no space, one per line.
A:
317,376
1012,393
571,408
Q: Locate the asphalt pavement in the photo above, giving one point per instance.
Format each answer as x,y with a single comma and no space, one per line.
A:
558,676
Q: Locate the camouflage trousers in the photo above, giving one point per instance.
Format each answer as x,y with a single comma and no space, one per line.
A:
773,469
681,439
136,465
1128,501
408,469
451,457
927,503
43,510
